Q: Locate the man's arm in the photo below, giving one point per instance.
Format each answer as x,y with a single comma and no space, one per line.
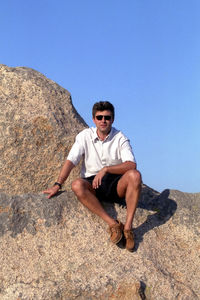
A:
117,169
64,173
121,168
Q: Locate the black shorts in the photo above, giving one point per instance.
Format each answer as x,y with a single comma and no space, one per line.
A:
107,191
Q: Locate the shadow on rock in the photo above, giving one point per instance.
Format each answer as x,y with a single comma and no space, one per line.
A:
150,201
163,206
30,211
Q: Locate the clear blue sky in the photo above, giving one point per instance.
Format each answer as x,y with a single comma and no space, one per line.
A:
141,55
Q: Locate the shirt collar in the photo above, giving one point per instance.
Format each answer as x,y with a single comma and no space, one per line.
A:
95,136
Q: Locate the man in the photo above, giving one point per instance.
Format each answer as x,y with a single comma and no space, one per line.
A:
108,172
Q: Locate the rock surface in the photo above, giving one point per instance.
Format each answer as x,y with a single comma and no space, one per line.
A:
56,249
38,124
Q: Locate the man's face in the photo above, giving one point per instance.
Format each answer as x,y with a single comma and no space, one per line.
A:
103,121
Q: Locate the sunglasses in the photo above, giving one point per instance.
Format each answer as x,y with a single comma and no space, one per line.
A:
100,117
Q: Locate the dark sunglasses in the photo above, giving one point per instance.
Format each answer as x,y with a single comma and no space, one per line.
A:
100,117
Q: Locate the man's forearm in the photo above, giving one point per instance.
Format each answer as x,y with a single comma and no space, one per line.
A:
121,168
117,169
65,171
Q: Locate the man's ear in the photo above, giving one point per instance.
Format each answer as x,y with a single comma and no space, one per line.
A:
93,119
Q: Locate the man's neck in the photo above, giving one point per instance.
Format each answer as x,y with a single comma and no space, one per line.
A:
101,135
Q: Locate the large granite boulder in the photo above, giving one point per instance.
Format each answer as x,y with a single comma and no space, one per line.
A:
56,249
38,124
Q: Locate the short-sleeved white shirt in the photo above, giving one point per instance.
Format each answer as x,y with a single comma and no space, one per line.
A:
96,154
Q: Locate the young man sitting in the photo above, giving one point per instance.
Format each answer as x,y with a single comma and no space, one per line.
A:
108,172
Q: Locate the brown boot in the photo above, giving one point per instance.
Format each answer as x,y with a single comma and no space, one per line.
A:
116,232
129,240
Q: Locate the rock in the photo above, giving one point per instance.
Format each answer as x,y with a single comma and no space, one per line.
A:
38,124
56,249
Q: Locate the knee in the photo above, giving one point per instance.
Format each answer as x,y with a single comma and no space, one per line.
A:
134,177
77,186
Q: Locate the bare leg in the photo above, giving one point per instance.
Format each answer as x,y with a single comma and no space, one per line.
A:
86,195
129,186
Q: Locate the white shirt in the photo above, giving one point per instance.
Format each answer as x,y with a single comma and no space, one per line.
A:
115,149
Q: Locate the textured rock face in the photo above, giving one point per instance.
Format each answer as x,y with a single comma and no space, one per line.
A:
56,249
38,124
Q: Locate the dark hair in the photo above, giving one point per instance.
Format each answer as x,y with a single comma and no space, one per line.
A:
101,106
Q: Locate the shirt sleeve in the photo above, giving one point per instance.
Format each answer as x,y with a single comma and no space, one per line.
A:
126,151
77,150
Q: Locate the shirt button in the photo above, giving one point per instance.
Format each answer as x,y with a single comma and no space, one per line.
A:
103,162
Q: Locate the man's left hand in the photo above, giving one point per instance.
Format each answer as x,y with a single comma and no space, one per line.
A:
98,178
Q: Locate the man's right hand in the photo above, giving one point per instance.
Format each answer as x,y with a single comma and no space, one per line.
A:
51,191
